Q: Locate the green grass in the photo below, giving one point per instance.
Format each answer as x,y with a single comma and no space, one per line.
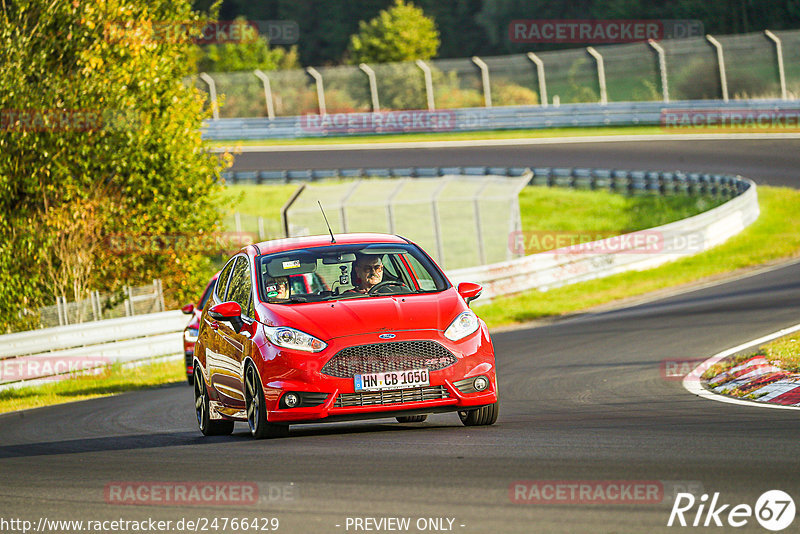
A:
542,208
448,136
774,236
114,380
784,352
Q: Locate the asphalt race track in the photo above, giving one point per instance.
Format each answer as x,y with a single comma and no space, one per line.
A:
583,399
767,161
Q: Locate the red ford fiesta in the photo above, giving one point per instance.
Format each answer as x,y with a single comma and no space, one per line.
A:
377,330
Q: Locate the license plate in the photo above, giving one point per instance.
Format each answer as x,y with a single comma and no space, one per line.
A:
392,380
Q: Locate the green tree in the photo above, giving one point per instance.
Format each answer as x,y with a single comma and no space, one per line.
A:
100,144
246,51
400,33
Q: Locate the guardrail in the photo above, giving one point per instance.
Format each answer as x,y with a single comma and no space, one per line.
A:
29,356
62,350
679,116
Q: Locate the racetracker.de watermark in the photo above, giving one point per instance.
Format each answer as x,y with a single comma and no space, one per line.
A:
731,120
601,31
67,120
380,122
277,32
592,242
623,492
51,367
678,369
172,493
212,243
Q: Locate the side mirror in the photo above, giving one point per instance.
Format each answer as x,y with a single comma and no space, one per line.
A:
188,309
230,312
469,291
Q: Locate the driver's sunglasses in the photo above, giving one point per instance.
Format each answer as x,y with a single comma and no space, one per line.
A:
375,268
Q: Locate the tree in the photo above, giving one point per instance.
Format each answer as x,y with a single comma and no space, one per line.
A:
247,54
99,141
400,33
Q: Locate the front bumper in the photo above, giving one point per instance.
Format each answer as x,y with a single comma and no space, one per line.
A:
302,373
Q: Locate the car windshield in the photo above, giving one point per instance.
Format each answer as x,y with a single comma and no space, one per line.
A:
347,272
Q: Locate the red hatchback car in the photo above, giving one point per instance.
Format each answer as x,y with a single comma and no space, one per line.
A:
381,333
192,328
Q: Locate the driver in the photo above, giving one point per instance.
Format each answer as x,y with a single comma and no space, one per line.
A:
367,272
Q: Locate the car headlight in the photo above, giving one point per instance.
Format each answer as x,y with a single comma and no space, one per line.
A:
190,335
289,338
462,326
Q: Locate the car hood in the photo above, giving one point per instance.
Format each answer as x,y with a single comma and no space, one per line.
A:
332,319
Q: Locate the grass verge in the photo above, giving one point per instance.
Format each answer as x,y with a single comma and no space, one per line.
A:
774,236
448,136
117,379
542,208
782,353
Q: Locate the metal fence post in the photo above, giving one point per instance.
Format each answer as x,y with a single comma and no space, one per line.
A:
61,319
487,88
426,70
373,86
343,204
601,73
285,209
262,234
476,206
128,302
212,91
389,200
540,74
437,223
159,294
237,221
267,93
320,89
723,79
779,52
95,306
662,68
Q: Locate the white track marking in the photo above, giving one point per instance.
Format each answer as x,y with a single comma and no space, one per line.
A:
692,381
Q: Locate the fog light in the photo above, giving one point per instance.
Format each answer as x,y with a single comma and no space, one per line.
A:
291,400
480,383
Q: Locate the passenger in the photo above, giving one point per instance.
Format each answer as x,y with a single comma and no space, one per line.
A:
278,288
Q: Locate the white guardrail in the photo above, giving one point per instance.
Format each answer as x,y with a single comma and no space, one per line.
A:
59,351
34,356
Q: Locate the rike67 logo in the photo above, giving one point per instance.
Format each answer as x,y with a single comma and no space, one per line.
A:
774,510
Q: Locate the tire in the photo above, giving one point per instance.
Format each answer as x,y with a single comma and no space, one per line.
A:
411,418
190,379
207,426
256,411
486,415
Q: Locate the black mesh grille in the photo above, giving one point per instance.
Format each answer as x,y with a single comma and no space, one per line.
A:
394,356
394,396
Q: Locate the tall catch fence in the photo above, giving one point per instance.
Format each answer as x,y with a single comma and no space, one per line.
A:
461,221
130,301
746,66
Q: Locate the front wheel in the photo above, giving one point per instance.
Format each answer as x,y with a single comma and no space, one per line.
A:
486,415
207,426
256,411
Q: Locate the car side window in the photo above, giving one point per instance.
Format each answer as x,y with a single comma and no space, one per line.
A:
424,278
241,286
222,281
